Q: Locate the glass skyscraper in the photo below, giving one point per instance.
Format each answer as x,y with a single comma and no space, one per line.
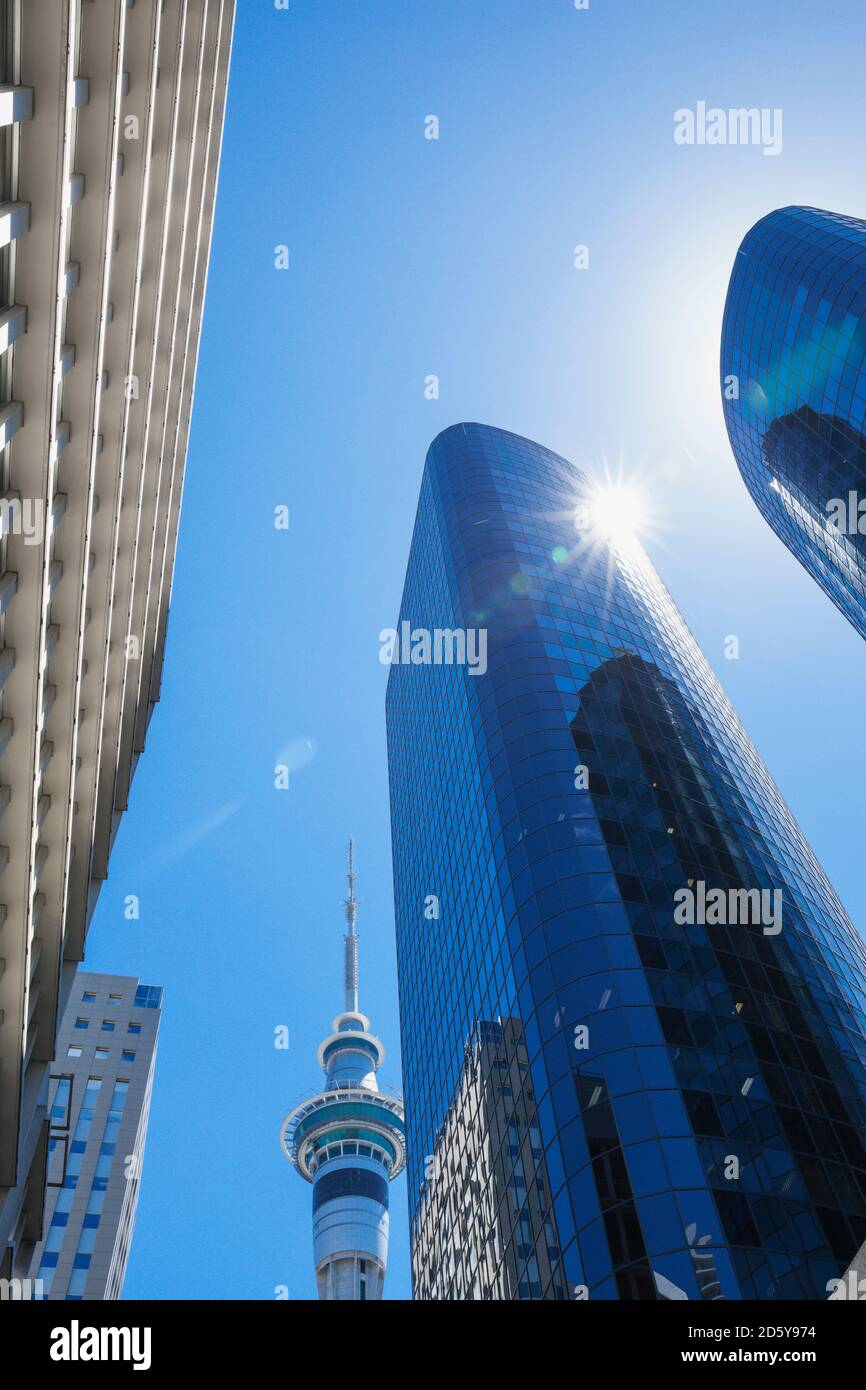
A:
608,1094
794,390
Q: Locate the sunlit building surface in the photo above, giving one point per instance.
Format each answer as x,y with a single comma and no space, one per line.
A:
794,390
347,1141
486,1226
685,1092
101,1086
111,119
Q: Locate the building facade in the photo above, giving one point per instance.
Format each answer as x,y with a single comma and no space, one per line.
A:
794,390
347,1142
101,1085
488,1220
111,116
590,855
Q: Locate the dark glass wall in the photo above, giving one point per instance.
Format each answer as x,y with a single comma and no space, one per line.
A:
686,1101
794,390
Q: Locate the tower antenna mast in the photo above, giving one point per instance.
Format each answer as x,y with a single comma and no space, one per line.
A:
350,940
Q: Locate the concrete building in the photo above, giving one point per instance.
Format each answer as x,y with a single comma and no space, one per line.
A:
101,1085
348,1142
110,124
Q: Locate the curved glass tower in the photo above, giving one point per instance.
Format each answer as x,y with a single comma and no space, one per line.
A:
645,1073
794,390
348,1142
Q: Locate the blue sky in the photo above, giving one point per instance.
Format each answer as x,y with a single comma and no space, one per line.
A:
410,257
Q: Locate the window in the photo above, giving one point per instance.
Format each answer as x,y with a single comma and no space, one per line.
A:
127,1056
82,1129
86,1241
88,997
82,1023
148,997
108,1025
55,1238
78,1281
101,1054
103,1163
118,1097
65,1196
134,1028
95,1203
73,1051
114,998
60,1104
57,1146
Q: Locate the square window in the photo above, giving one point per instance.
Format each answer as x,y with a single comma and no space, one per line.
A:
114,998
108,1025
88,997
134,1028
127,1056
73,1051
82,1023
148,996
101,1054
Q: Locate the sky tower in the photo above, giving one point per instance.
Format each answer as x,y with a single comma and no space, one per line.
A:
348,1142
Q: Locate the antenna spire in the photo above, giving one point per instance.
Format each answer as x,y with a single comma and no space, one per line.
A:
350,940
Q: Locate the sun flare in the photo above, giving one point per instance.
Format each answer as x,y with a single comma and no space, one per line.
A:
617,511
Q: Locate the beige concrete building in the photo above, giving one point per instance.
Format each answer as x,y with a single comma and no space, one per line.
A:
111,115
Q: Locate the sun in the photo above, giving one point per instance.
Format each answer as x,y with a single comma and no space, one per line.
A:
616,512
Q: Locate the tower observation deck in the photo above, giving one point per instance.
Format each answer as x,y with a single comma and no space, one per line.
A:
348,1142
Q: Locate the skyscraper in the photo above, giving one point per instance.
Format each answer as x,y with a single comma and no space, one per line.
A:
590,855
110,128
348,1142
794,390
101,1084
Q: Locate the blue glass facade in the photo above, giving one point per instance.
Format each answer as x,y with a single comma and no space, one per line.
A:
602,1100
794,390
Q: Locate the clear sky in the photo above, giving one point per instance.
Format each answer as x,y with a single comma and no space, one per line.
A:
410,257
